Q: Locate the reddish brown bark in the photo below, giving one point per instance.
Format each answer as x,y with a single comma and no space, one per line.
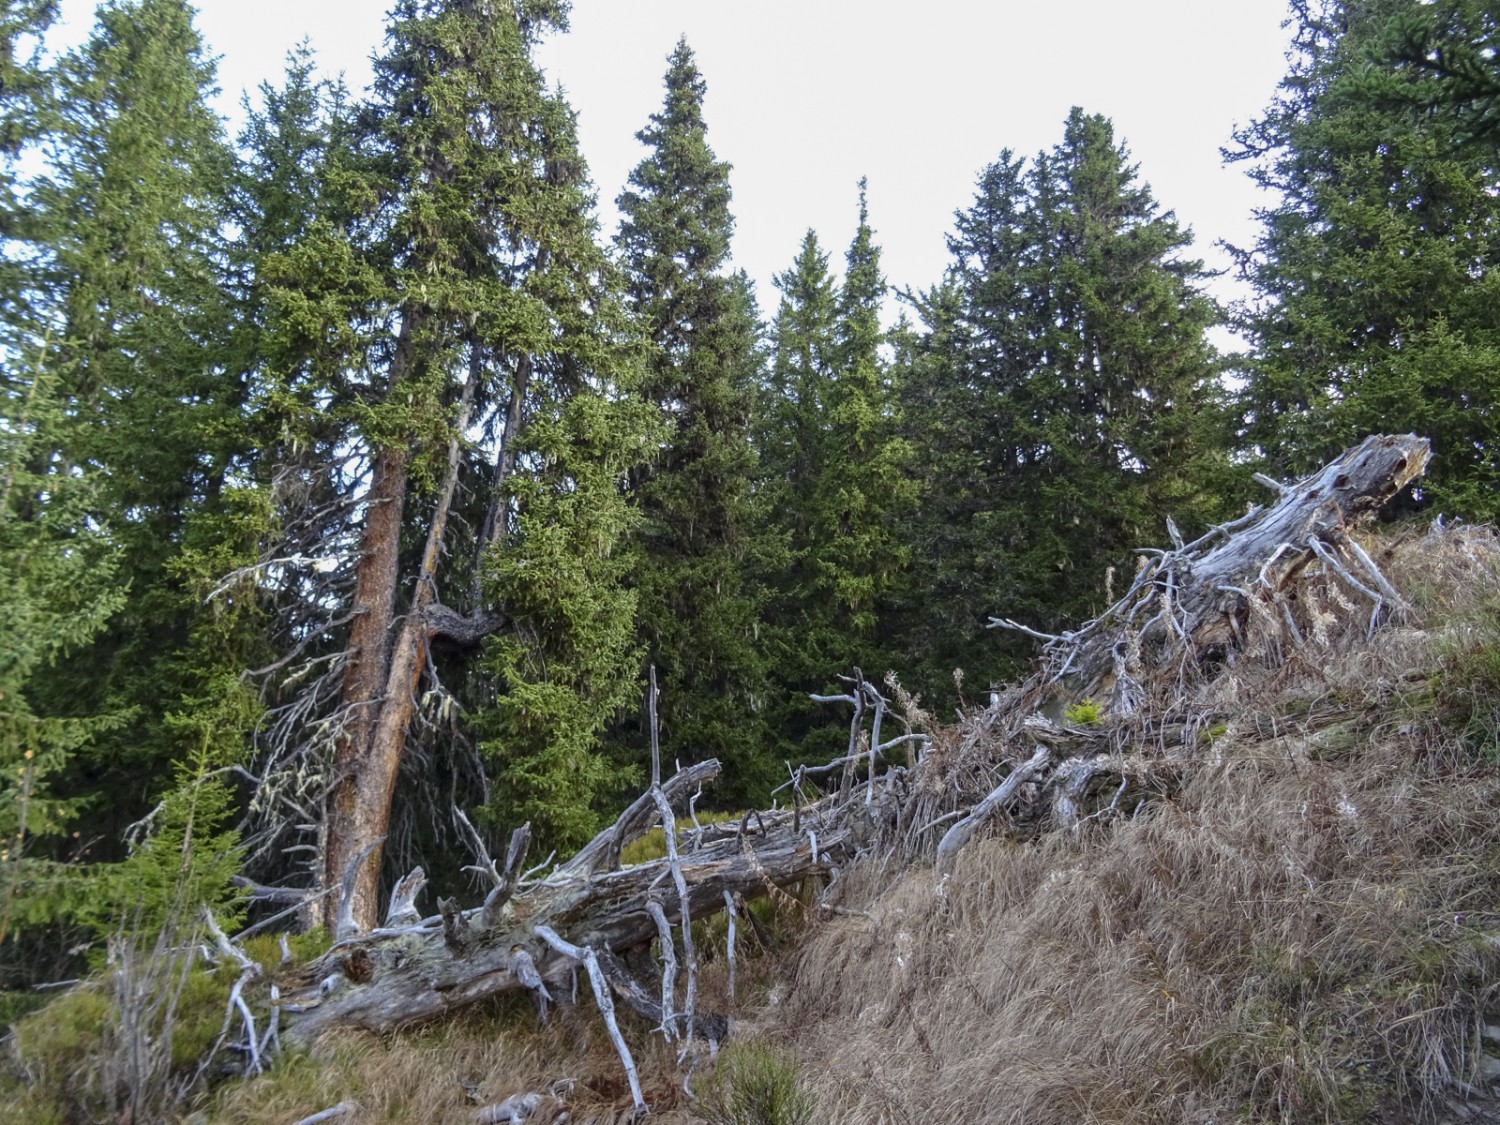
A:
352,821
382,689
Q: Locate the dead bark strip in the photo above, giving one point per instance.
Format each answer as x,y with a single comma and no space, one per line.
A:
350,825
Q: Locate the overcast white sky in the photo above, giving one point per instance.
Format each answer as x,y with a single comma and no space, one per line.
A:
806,96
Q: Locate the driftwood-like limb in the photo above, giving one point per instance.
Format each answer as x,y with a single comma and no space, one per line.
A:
713,1027
484,865
602,853
442,621
510,876
879,702
667,1023
516,1109
1070,781
343,1109
729,940
250,972
590,961
960,834
403,908
674,864
455,926
225,947
524,970
856,696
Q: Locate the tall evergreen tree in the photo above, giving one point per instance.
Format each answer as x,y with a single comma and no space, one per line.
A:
835,487
1061,397
697,612
55,552
864,489
452,312
1375,271
134,322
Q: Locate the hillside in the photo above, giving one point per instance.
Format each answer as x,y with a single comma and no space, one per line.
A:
1274,896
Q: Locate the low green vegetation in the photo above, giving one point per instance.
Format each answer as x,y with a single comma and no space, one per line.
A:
755,1083
1084,713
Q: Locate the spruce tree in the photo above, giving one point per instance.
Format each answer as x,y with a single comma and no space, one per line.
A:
969,416
865,492
451,314
60,592
835,487
132,323
55,552
793,448
1062,397
697,612
1375,270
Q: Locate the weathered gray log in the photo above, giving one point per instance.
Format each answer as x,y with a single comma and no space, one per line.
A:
416,975
1317,509
960,834
1193,600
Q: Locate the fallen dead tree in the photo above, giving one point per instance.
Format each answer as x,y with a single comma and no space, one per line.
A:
1193,602
1015,767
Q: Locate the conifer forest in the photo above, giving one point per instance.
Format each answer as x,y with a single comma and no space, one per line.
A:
354,484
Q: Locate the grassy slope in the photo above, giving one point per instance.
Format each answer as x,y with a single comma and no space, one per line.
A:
1307,930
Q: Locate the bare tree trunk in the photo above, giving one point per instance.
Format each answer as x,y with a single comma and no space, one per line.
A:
353,820
369,753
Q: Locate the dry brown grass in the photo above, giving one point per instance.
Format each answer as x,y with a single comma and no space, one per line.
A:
1308,931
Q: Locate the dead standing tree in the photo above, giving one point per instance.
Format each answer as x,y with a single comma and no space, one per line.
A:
1190,610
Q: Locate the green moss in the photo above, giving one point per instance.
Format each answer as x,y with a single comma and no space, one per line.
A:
14,1005
66,1031
653,845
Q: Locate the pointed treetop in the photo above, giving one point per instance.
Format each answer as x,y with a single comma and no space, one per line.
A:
864,287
